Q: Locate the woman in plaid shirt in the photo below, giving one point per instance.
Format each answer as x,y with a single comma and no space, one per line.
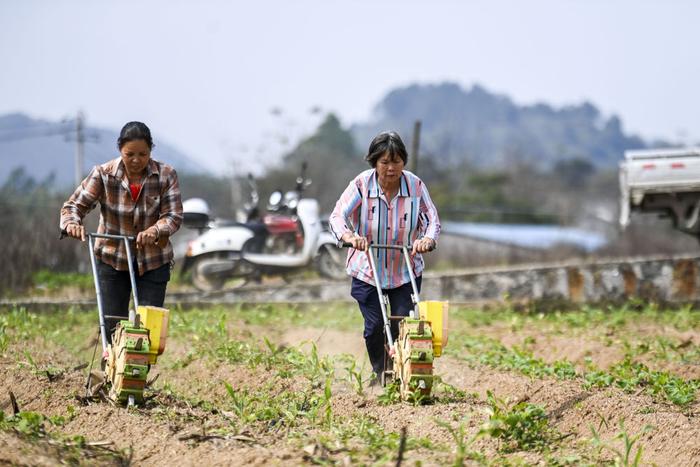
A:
385,205
138,197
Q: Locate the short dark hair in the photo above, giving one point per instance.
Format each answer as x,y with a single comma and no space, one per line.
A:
386,141
133,131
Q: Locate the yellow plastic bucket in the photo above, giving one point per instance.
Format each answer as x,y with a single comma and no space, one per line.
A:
155,319
436,313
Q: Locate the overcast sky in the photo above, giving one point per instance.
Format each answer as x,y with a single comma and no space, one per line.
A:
205,74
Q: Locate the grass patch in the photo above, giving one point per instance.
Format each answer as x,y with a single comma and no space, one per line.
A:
51,281
72,328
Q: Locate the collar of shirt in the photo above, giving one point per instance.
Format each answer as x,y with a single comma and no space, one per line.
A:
116,168
375,191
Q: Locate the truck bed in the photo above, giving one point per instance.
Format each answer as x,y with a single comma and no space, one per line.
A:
660,180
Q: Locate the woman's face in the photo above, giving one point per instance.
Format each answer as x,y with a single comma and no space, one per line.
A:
135,155
389,169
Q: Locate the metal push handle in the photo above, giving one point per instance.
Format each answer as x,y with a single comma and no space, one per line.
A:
407,259
132,314
415,298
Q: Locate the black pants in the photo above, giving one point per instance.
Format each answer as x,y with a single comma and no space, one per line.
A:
116,291
400,305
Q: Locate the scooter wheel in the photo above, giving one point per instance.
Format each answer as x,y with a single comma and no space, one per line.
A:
331,264
203,282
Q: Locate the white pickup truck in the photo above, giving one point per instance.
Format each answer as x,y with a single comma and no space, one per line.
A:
665,181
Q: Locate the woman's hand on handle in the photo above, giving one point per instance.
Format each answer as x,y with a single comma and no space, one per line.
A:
147,237
76,231
358,242
423,245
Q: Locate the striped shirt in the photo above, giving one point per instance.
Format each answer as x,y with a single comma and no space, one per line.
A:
364,209
158,203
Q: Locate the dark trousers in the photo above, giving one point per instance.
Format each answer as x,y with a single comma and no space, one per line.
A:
400,305
116,291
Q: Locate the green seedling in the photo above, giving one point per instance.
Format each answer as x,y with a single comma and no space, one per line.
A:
463,445
623,457
328,409
355,377
416,396
446,393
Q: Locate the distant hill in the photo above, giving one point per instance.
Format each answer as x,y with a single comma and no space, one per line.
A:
44,147
489,130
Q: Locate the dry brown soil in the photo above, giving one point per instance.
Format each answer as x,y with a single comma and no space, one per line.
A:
170,430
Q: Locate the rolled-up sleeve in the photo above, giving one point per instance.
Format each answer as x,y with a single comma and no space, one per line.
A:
83,199
170,207
429,215
344,215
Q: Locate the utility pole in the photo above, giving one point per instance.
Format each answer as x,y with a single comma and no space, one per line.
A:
236,192
413,162
79,147
81,136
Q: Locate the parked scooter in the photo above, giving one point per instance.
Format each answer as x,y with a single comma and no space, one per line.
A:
289,237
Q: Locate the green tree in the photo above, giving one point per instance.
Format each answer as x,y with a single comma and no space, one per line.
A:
332,161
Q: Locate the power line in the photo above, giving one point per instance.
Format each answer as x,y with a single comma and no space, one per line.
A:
81,137
29,133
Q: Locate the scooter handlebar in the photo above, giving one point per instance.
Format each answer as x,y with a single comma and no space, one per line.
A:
382,246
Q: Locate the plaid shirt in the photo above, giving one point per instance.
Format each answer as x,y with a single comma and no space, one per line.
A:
158,204
364,209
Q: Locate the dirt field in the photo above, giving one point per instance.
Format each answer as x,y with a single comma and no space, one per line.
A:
279,385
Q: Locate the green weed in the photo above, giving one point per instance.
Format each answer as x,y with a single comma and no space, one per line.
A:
390,395
523,426
29,424
361,436
36,427
487,351
629,375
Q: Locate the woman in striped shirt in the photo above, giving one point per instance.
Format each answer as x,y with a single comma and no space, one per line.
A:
385,205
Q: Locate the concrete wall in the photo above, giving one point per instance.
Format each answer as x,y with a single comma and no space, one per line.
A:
651,279
660,280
